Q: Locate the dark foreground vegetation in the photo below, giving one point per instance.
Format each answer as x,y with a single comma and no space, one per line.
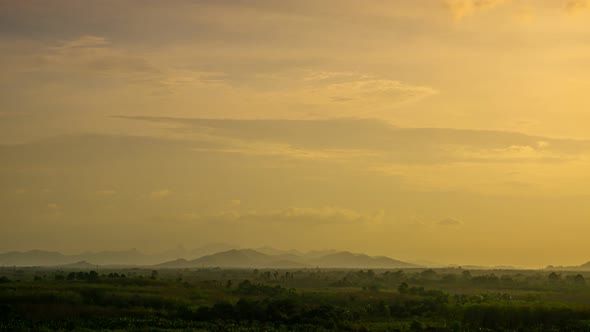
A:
38,299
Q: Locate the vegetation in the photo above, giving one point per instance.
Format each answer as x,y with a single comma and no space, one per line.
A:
37,299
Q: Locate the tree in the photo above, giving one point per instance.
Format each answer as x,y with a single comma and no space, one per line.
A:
579,280
428,274
92,275
403,288
554,277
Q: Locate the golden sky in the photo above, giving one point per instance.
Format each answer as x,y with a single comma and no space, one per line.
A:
455,131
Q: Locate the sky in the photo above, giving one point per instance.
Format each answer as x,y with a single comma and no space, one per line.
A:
452,131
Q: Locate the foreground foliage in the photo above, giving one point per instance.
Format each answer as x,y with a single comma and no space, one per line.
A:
37,299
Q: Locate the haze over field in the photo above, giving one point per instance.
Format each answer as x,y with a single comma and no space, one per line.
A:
452,131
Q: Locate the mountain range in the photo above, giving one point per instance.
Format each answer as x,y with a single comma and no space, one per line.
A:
122,257
264,257
226,256
582,267
249,258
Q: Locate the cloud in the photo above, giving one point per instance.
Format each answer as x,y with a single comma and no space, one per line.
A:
462,8
105,192
159,194
53,206
96,59
295,215
98,55
449,222
376,90
422,159
524,14
102,68
335,90
83,41
262,148
375,141
315,75
516,153
575,6
55,211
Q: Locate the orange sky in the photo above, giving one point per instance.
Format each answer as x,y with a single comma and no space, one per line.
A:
453,131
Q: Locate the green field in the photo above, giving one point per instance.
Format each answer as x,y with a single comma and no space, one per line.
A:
42,299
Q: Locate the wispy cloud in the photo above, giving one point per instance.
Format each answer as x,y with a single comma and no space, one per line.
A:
449,222
376,141
344,89
53,206
575,6
160,194
462,8
105,192
262,148
86,41
96,59
296,215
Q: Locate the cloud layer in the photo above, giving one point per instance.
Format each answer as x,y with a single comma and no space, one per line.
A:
305,123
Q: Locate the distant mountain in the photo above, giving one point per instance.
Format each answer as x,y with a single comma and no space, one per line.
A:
346,259
265,257
53,258
319,253
583,267
239,258
34,258
242,258
249,258
209,249
175,264
125,257
273,251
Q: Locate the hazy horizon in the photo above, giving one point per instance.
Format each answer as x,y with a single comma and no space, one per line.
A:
451,131
180,252
214,248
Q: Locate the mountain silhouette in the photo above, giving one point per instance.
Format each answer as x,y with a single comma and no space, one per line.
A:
345,259
249,258
233,258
